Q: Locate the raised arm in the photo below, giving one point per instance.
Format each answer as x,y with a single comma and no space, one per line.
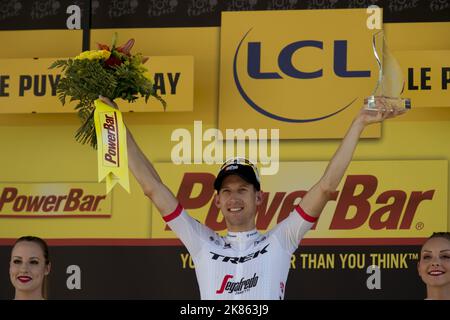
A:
149,179
316,198
146,175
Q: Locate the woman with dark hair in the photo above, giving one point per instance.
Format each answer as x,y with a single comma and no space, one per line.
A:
434,266
29,268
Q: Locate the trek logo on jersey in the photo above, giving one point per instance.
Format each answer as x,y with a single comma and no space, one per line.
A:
240,287
236,260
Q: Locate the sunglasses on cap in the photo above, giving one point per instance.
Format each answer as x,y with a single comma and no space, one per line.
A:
241,161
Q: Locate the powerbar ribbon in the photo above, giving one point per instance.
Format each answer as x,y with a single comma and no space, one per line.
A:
111,146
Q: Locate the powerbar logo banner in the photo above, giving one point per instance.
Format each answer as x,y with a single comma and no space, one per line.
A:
305,72
376,199
54,200
112,152
27,85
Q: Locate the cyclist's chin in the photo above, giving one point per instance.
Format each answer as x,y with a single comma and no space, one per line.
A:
238,220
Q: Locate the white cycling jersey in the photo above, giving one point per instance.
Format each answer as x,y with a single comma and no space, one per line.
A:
241,265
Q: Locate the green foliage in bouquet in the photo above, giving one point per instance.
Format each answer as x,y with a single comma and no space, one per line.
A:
113,73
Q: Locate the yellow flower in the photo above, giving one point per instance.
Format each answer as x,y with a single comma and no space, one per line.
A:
94,54
148,76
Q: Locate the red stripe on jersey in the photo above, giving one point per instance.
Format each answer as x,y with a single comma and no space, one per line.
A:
174,214
304,215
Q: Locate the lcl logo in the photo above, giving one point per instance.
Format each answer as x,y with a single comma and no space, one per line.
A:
287,69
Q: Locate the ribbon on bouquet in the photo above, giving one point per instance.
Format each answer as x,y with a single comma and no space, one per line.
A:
112,155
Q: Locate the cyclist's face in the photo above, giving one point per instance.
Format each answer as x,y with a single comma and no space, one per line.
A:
434,264
238,199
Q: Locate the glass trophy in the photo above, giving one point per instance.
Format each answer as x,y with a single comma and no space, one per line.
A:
390,83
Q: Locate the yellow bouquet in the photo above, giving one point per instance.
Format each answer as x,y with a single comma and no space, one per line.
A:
113,73
110,72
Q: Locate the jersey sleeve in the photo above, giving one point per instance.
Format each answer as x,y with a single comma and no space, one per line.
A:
291,230
192,233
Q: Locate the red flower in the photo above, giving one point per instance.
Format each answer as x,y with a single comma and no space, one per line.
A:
102,46
113,61
126,48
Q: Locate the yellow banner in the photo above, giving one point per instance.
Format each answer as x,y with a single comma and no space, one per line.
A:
296,73
54,200
27,85
427,77
112,154
376,199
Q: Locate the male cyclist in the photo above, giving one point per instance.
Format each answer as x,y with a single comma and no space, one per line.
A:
246,264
